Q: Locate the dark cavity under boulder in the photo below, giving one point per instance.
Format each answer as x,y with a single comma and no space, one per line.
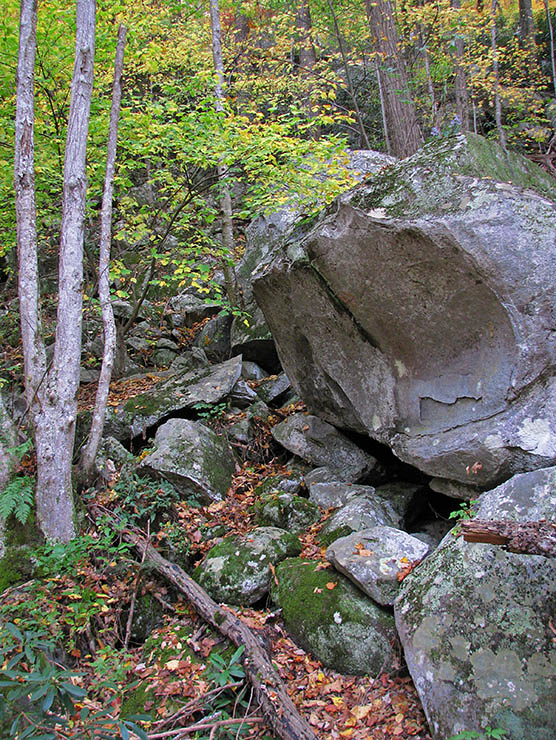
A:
419,309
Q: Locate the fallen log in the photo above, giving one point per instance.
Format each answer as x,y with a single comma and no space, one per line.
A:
531,538
277,707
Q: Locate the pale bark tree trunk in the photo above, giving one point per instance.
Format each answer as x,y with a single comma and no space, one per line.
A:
496,72
97,424
351,89
225,196
461,87
306,55
551,36
400,113
52,392
526,23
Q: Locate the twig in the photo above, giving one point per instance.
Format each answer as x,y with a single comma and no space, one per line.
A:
206,726
135,590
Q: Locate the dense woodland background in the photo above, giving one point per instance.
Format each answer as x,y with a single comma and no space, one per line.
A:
202,150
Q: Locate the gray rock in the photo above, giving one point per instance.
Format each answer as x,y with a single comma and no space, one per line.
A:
360,512
339,626
334,494
206,386
286,511
454,489
373,558
193,458
236,571
187,310
401,494
191,360
243,395
441,343
252,371
88,375
473,620
270,389
214,338
321,444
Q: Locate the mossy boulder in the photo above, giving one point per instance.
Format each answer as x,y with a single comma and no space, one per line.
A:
474,622
236,571
286,511
197,461
329,617
19,542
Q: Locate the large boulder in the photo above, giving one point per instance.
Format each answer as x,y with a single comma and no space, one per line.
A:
198,462
419,309
475,620
328,616
251,336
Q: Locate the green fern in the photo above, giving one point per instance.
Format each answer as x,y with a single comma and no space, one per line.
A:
17,498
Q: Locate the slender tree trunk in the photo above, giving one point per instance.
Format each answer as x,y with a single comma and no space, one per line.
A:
97,424
496,71
353,96
551,36
306,56
225,197
400,112
526,23
52,392
461,87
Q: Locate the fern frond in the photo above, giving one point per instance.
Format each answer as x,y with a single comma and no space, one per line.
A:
17,498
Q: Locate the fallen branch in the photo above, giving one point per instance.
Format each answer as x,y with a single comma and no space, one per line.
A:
275,703
206,726
531,538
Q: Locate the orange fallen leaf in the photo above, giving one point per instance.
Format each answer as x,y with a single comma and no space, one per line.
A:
330,585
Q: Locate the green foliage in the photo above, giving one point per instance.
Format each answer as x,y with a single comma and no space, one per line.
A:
222,672
465,511
210,411
487,734
17,498
141,499
39,695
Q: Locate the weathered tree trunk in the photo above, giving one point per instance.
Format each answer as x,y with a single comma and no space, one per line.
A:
526,23
496,72
403,128
225,197
551,37
461,88
97,424
52,392
351,89
8,439
532,538
278,709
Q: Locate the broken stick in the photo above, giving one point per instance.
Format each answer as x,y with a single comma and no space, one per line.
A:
276,705
531,538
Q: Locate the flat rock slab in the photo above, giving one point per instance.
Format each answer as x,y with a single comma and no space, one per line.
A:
329,617
237,570
474,622
373,558
198,462
206,385
320,444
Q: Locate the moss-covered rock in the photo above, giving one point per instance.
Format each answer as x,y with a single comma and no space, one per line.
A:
474,623
198,462
360,512
16,564
236,571
328,616
286,511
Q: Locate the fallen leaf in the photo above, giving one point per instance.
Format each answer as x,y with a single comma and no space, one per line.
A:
330,585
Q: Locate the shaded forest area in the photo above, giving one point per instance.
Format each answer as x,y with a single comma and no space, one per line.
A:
226,113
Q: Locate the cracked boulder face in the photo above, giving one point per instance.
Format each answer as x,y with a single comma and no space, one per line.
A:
475,624
419,309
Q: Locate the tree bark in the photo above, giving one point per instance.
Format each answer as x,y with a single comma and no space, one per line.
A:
278,709
496,72
52,392
551,37
225,197
97,424
403,128
461,88
532,538
526,23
